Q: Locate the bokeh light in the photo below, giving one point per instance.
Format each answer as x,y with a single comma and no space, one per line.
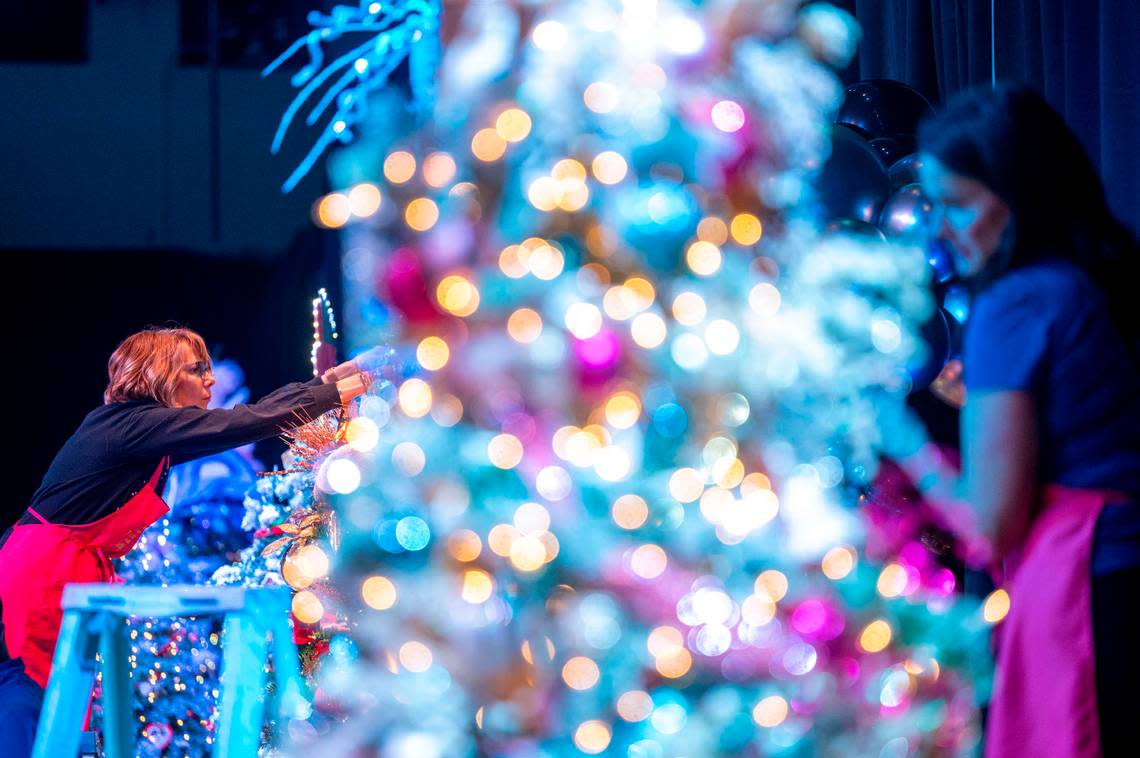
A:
364,199
580,673
378,592
458,295
649,561
488,145
704,258
609,167
634,705
746,229
728,116
630,511
770,712
415,656
875,636
513,124
307,607
439,169
332,211
464,545
838,562
477,586
996,606
505,451
524,325
421,214
415,398
592,737
399,167
432,353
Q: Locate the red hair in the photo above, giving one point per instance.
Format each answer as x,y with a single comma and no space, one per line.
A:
145,366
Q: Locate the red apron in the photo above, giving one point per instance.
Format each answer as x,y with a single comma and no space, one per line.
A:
1044,698
39,559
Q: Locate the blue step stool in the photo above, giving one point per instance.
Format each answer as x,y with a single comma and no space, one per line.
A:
256,625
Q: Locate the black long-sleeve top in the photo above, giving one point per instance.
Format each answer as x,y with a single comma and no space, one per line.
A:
117,448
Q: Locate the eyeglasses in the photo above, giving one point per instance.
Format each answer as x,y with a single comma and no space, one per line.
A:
199,369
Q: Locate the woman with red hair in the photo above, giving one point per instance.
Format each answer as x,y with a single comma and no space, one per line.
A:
104,487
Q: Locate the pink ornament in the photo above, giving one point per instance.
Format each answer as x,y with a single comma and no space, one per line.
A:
597,357
809,617
817,620
407,290
916,554
943,582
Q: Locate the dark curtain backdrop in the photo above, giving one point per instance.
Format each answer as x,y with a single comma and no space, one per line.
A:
1083,56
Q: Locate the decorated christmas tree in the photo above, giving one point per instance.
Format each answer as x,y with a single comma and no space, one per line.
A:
626,495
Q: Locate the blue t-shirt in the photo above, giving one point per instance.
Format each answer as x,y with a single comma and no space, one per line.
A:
1045,329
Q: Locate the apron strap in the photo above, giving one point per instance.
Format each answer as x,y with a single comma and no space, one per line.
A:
152,483
108,567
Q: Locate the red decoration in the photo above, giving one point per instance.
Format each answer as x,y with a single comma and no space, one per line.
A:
407,289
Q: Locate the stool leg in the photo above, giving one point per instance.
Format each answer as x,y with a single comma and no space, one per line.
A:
118,722
245,651
292,698
69,688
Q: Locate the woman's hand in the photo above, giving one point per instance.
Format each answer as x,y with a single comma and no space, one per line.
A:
948,385
374,360
371,361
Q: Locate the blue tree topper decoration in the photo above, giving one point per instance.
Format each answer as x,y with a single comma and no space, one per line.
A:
395,31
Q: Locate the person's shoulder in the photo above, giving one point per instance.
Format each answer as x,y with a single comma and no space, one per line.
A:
112,412
100,432
124,406
1047,285
1046,276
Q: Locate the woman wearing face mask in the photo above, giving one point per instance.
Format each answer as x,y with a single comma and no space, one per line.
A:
1048,491
104,487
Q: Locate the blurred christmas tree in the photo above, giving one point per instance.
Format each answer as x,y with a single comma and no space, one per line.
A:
620,499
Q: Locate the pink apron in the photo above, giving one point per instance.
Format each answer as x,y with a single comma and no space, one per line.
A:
39,559
1044,699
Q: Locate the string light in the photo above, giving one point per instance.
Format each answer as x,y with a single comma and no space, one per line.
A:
321,303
